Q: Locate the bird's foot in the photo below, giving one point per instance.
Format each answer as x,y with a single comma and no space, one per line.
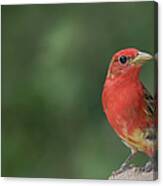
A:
149,166
123,168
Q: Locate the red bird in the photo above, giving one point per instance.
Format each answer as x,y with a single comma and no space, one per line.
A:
129,107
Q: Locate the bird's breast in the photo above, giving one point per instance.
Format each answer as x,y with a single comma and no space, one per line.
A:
123,104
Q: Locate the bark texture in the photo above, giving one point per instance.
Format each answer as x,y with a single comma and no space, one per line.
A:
135,173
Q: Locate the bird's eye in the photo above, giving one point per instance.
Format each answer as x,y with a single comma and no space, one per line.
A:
123,59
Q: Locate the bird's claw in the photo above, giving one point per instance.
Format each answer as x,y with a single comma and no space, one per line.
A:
122,169
150,165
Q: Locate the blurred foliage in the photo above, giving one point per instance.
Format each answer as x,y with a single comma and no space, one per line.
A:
54,63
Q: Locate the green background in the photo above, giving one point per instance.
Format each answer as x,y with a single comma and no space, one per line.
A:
54,63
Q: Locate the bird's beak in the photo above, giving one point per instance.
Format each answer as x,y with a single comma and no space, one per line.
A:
141,58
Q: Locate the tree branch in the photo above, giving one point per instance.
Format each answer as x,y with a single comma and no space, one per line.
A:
135,173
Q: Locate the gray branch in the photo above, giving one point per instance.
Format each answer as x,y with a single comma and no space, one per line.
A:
135,173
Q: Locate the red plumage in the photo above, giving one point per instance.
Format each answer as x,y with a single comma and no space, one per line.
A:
128,106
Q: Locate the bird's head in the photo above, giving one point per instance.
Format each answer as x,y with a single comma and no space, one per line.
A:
127,60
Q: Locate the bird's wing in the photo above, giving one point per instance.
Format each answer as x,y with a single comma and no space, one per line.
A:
150,132
150,109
